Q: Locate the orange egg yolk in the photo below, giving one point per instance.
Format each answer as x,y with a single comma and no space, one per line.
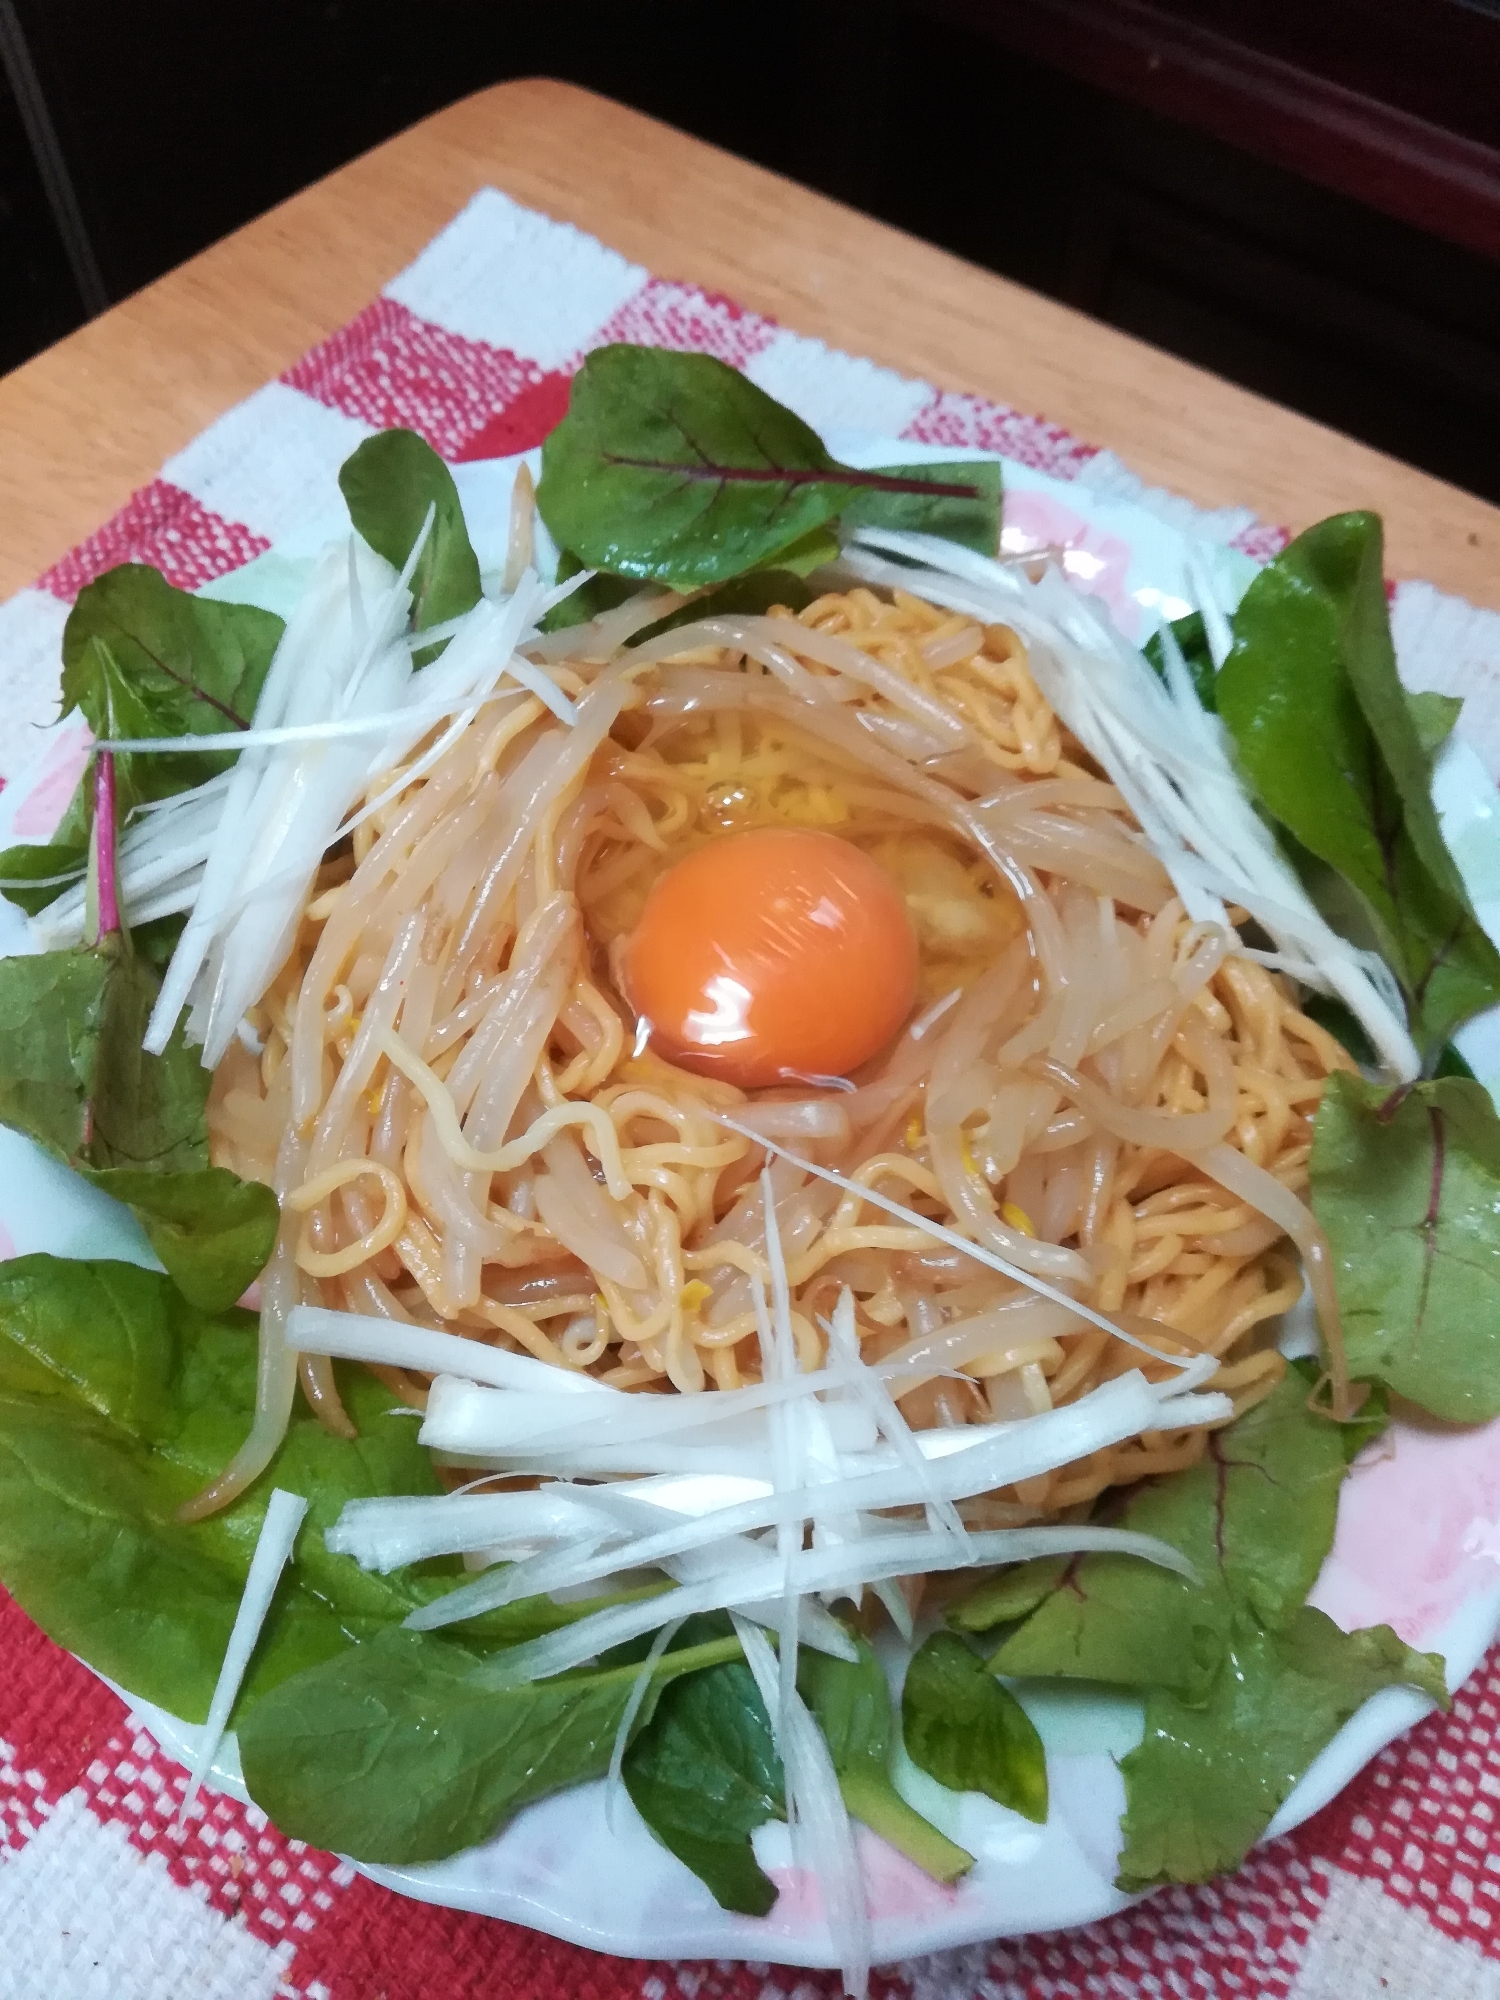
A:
770,956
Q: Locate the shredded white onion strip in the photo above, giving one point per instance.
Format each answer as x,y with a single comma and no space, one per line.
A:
745,1453
387,1534
977,1251
416,716
822,1833
395,1344
341,673
322,661
1166,756
964,1464
900,1554
399,1344
843,1345
500,1423
1216,627
614,1784
778,1359
278,1533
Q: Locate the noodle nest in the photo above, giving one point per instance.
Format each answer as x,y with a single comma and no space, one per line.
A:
450,1099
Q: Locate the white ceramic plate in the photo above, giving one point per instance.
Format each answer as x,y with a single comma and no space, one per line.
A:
1418,1543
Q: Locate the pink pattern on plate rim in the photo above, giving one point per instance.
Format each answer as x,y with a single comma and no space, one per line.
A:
894,1887
46,801
1095,561
1418,1531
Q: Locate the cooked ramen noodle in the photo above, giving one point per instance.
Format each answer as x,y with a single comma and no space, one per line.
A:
470,1129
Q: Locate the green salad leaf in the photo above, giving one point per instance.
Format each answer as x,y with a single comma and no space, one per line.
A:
971,519
212,1231
1255,1517
704,1774
118,1401
71,1058
1009,1595
1434,717
1327,741
751,595
32,876
756,592
1206,1781
1406,1183
142,658
1109,1620
815,549
410,1748
388,484
600,593
1191,635
1243,1683
74,1077
65,1017
851,1701
675,469
970,1733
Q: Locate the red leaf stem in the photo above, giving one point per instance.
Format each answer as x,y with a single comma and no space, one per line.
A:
104,843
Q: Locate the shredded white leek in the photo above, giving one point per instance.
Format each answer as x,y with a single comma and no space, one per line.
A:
387,1534
978,1251
898,1554
336,731
340,705
278,1533
778,1357
1166,756
843,1346
641,1688
964,1462
461,1417
822,1833
394,1344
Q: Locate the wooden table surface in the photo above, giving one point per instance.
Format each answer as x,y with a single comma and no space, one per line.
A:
87,422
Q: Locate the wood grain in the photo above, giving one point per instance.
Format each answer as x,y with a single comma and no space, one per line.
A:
85,423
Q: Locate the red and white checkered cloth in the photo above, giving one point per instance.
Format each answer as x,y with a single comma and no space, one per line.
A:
1392,1891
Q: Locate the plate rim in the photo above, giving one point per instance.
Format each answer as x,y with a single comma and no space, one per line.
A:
1380,1721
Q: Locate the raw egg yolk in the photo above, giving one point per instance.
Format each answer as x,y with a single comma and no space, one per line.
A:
772,955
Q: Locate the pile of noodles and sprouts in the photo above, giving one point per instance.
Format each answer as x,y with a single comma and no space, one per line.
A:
469,1130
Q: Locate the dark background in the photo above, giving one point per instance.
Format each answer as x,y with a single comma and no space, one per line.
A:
1304,197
